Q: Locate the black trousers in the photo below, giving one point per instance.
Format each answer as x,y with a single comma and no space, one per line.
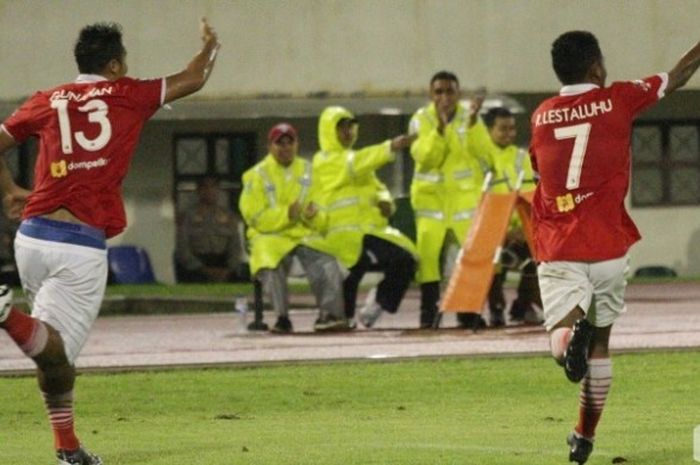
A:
398,267
528,287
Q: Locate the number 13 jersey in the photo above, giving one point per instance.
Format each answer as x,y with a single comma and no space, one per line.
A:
580,147
88,131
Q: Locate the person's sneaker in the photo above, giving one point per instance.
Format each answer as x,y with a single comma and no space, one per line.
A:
5,302
282,326
330,324
80,456
371,312
352,323
580,448
576,355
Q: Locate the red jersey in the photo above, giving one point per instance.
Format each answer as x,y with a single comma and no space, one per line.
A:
581,149
87,133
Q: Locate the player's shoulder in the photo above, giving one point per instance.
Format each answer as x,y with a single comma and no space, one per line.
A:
127,80
52,92
130,82
648,84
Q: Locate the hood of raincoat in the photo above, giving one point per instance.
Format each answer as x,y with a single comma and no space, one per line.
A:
327,135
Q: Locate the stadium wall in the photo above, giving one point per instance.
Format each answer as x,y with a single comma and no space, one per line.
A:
354,49
298,47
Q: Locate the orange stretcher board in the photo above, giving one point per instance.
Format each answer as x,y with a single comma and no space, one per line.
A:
472,276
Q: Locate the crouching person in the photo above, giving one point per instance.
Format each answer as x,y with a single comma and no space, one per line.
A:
358,206
284,222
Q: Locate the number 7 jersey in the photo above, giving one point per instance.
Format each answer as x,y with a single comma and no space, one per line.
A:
88,131
580,147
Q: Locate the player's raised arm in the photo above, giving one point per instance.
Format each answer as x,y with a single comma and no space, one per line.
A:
195,75
684,69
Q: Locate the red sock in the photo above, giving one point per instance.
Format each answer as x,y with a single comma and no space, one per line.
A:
60,410
28,333
594,391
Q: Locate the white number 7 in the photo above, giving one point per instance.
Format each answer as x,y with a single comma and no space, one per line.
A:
580,134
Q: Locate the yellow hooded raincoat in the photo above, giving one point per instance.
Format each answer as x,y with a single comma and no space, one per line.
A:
350,190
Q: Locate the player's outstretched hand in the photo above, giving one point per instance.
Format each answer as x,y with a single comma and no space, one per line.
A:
209,36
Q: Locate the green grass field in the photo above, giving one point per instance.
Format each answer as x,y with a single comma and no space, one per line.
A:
481,411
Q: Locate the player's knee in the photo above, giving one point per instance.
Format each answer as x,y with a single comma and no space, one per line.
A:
558,342
53,353
37,341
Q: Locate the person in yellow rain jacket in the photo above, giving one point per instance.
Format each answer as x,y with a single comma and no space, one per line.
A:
512,169
284,221
357,205
446,183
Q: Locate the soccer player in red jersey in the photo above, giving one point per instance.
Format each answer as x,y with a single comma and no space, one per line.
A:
87,132
580,147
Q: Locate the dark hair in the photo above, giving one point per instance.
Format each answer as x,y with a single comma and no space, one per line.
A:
497,112
444,76
97,45
573,54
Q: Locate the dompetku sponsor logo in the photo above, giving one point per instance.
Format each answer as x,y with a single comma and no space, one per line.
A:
61,168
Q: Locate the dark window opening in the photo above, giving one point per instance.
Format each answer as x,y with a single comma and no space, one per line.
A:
666,163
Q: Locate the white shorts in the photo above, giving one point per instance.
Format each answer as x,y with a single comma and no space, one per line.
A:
596,286
64,274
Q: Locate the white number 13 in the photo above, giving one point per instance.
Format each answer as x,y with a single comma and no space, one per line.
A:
580,134
97,113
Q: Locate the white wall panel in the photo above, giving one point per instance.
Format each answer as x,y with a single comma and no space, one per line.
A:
296,47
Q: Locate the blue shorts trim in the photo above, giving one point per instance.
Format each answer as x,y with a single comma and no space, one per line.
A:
62,231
